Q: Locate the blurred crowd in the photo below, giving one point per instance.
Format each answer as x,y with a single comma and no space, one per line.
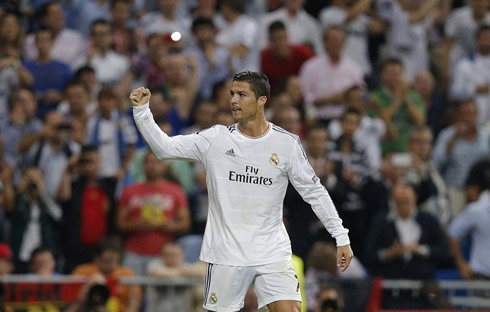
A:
391,99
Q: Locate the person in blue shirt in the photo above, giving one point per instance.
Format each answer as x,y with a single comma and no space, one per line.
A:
50,76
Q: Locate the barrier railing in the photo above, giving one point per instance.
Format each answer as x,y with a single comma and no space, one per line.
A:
37,293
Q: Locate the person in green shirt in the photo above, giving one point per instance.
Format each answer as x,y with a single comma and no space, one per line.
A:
180,170
403,106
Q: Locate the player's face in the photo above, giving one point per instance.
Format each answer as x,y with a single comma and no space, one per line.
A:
244,104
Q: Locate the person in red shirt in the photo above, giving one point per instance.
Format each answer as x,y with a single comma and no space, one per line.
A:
282,59
150,214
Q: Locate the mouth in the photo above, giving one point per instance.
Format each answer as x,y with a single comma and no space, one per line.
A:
235,110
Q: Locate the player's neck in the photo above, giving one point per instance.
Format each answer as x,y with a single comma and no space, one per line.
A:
255,127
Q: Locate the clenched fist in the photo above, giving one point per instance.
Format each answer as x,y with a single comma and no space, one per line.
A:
140,96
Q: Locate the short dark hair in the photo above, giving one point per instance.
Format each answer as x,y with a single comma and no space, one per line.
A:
482,28
236,5
14,97
43,10
99,21
316,126
114,2
88,148
275,26
75,83
39,250
259,83
83,70
392,61
108,244
202,22
352,111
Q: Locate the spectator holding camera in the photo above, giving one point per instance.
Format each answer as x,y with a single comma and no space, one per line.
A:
35,219
106,263
52,150
85,201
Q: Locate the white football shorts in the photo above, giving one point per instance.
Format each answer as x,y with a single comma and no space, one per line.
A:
225,286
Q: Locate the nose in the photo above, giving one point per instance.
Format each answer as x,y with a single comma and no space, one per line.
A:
234,99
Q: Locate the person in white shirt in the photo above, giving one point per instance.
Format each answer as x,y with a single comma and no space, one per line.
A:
459,32
471,77
302,28
357,25
68,45
248,166
238,33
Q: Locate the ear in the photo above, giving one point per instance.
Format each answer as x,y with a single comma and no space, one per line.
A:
261,101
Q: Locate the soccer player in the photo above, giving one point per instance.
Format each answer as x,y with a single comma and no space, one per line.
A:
248,167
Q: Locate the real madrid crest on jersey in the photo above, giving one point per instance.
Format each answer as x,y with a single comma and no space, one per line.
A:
274,160
213,299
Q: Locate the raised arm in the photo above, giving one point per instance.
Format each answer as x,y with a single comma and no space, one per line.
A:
190,147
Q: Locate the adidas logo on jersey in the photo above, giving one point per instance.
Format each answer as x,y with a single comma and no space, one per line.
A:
230,153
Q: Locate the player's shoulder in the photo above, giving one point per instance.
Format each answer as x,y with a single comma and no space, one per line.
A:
284,134
216,131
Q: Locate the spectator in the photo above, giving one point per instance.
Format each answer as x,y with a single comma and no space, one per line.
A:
302,28
86,75
42,262
352,16
352,169
238,33
473,222
106,263
6,265
478,180
126,39
52,151
111,69
205,117
399,104
206,9
423,175
69,45
405,243
7,197
90,11
371,130
35,218
11,36
212,59
20,126
322,267
221,94
282,59
407,33
85,201
50,76
470,78
114,135
457,149
77,106
322,94
182,83
151,213
330,297
12,73
171,264
166,21
460,29
149,67
180,170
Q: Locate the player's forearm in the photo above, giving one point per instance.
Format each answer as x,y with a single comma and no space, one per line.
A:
325,210
153,135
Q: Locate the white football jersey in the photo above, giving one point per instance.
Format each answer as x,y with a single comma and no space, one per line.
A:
247,178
